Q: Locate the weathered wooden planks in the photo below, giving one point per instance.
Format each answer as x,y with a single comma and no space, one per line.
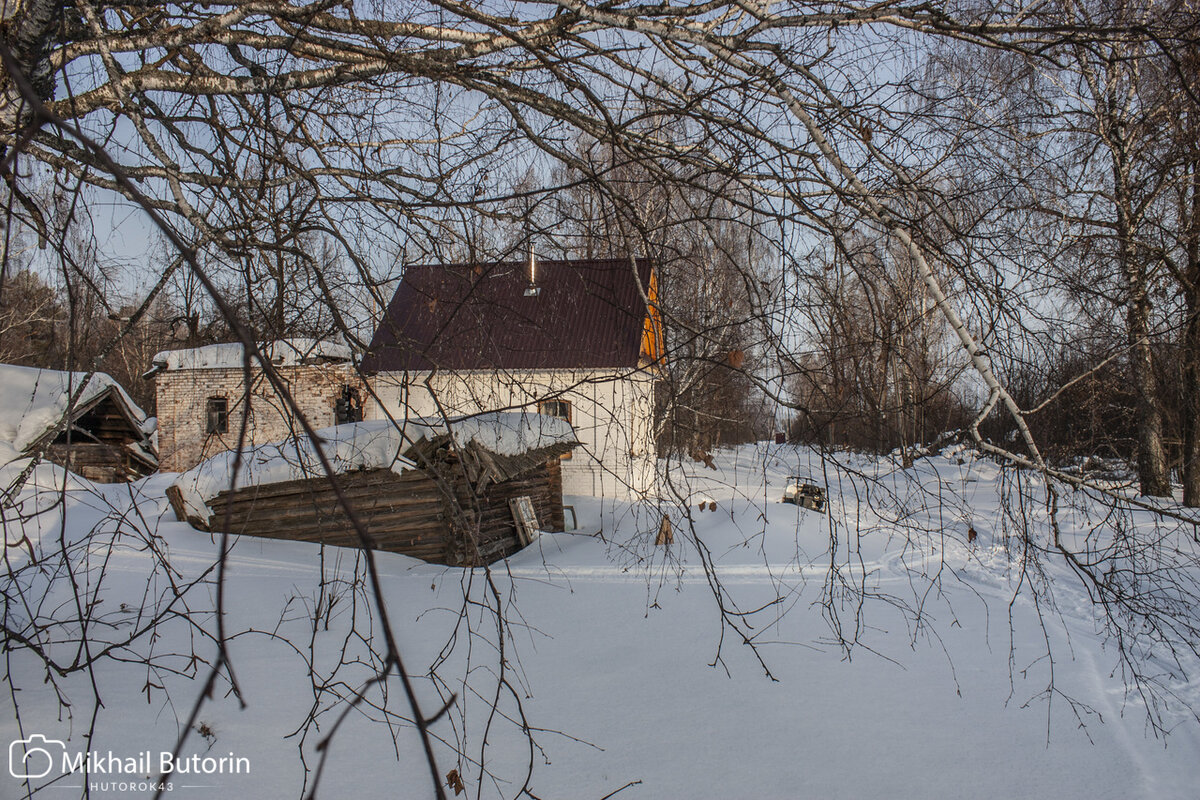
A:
98,461
406,513
96,444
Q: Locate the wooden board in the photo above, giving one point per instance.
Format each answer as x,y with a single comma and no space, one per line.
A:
527,524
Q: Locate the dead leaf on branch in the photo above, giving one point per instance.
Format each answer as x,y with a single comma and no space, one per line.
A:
455,782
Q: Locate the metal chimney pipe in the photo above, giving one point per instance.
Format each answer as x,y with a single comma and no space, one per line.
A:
533,290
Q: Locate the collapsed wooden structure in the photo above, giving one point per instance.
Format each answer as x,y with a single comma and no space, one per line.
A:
450,505
103,441
101,435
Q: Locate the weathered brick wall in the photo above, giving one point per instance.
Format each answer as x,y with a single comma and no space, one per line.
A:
182,398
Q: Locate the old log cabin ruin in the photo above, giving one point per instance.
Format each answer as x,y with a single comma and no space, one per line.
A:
88,425
452,493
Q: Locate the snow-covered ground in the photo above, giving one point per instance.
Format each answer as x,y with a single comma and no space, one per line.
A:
615,651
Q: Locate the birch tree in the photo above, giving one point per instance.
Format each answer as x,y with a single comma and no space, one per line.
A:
384,127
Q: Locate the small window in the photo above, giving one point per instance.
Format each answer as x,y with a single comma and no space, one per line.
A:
218,415
556,408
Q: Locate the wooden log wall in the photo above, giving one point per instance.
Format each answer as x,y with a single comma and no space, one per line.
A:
96,446
105,422
493,531
555,520
403,513
96,461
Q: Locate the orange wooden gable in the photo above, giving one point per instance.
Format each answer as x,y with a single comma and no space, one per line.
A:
652,328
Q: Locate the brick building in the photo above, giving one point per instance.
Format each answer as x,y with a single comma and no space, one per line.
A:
203,397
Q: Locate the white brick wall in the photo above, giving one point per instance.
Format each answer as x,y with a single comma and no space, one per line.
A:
611,411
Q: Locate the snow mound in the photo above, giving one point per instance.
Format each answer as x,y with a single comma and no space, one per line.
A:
510,433
34,400
283,353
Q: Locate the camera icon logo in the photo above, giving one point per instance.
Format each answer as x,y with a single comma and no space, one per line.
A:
33,758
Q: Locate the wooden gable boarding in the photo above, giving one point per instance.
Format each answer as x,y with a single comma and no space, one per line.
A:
103,442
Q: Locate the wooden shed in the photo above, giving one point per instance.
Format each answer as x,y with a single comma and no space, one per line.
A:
102,437
443,498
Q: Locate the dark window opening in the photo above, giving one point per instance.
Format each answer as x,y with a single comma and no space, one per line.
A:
556,408
348,407
218,415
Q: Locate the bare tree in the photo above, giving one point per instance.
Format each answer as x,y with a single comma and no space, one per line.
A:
29,315
255,134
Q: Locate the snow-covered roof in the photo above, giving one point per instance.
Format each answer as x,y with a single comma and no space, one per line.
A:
510,433
33,400
284,352
374,444
357,446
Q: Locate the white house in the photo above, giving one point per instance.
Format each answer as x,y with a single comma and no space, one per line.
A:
578,339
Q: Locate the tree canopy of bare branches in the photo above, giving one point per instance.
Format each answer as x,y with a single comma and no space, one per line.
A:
861,209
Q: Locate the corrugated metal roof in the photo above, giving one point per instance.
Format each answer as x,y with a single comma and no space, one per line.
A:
587,314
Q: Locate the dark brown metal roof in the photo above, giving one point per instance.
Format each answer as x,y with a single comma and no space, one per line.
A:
588,314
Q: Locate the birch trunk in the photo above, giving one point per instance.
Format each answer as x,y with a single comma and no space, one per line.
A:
30,28
1151,457
1191,339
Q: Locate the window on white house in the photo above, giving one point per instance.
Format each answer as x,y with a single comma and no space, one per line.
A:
218,415
556,408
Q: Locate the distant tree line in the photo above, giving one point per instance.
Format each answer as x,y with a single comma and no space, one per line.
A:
76,316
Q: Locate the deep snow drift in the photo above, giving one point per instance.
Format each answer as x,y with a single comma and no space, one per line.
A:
614,650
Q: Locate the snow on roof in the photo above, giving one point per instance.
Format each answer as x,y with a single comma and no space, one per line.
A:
33,400
284,352
510,433
374,444
361,445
